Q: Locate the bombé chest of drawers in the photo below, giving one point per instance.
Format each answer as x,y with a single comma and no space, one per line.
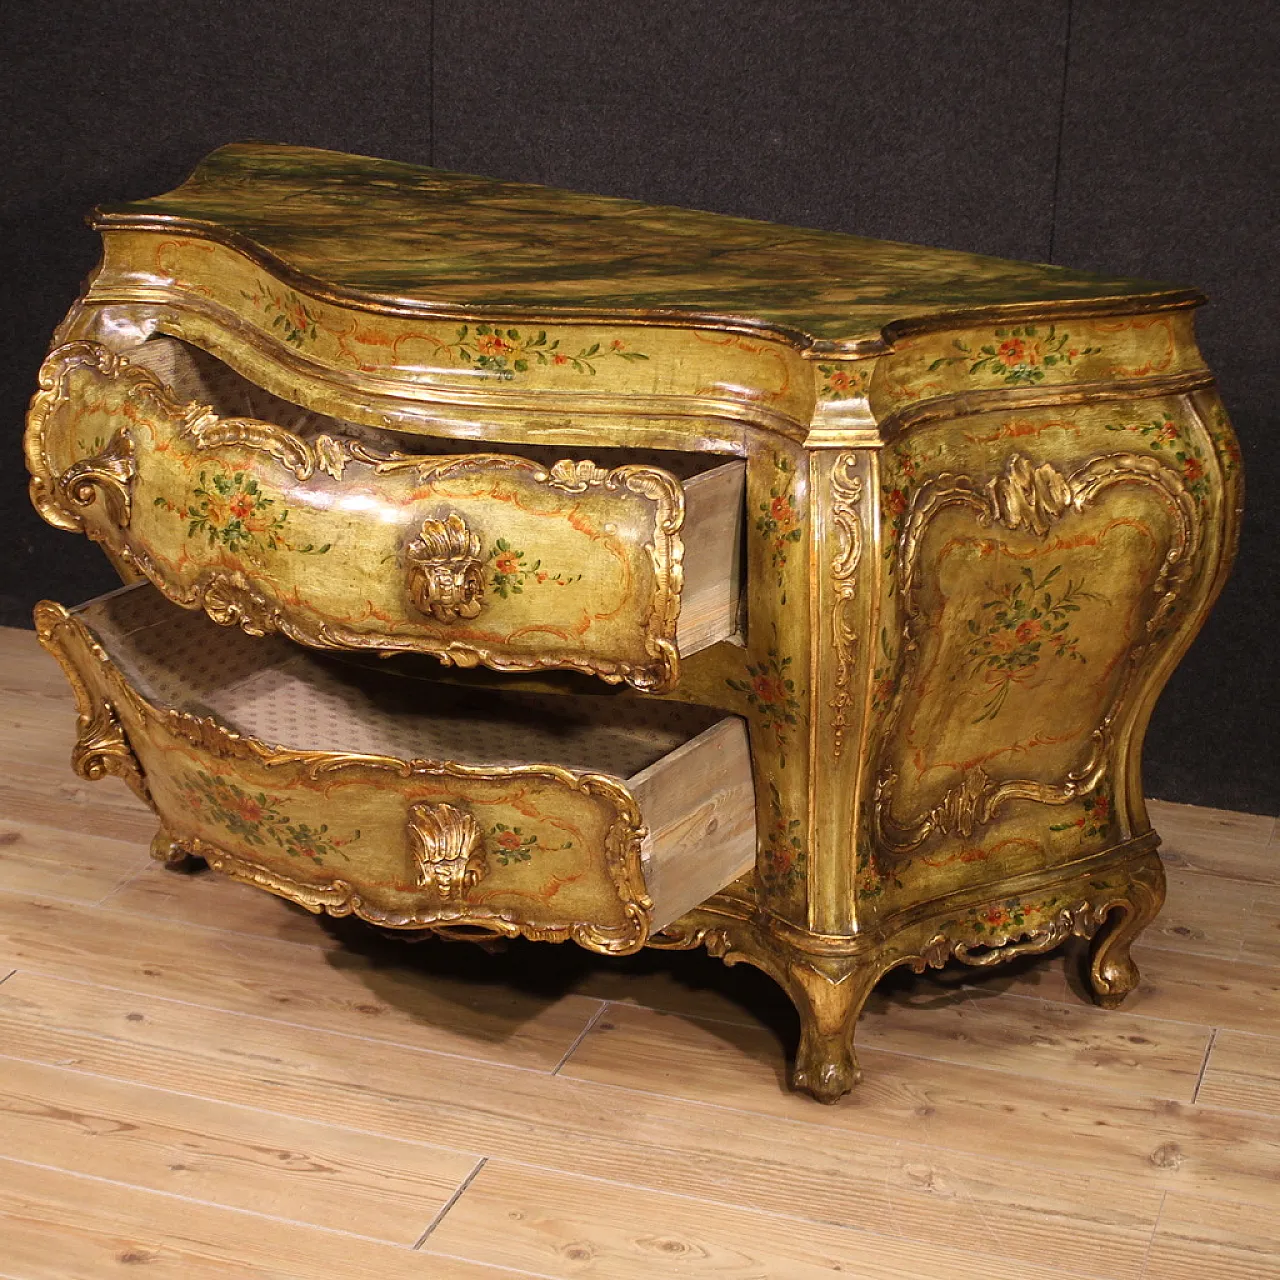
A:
508,561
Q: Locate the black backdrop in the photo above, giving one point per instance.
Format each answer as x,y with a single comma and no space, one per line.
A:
1128,136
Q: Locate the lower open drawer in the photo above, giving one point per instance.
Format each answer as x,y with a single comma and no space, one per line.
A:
409,803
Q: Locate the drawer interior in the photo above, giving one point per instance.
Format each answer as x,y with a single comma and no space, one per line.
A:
194,374
687,767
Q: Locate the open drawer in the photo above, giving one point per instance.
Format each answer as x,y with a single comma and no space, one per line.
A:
409,803
339,536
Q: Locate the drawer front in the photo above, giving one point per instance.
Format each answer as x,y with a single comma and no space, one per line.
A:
532,848
338,542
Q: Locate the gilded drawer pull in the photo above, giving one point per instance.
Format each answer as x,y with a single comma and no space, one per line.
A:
446,574
446,846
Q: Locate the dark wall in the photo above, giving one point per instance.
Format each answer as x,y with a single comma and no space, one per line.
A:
1135,138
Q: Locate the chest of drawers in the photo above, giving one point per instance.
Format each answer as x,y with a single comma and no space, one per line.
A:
632,576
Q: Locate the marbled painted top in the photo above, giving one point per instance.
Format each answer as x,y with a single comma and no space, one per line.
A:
395,234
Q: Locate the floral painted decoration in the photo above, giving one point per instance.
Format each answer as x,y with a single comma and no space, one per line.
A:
871,878
510,569
1163,435
256,818
843,381
1225,438
1017,356
503,353
893,503
287,312
511,844
1094,821
785,858
230,509
1022,618
884,683
778,521
896,491
999,918
771,693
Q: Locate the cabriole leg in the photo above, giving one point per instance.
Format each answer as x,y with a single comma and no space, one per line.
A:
828,996
828,991
1112,972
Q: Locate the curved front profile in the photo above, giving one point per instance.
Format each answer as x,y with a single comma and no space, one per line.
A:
410,804
335,537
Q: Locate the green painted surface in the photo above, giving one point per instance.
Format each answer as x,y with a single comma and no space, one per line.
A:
407,233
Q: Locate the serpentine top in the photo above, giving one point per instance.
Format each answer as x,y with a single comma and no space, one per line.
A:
397,236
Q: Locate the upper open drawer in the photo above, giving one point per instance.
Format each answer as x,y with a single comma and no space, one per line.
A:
279,519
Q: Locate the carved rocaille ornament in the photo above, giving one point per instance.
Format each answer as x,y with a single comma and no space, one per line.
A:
1005,412
576,477
109,473
447,846
446,573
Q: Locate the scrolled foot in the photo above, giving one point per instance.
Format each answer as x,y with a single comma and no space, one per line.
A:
1112,972
826,1067
828,997
164,848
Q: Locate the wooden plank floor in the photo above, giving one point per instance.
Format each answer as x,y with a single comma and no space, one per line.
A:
198,1080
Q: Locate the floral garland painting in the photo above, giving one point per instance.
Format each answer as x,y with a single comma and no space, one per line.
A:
1023,622
884,683
1000,918
785,859
503,353
778,521
771,693
1163,435
1225,438
498,352
286,312
1094,821
897,489
512,844
230,510
1018,356
872,880
258,818
843,381
510,569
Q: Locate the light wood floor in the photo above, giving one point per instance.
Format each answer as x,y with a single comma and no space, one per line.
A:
198,1081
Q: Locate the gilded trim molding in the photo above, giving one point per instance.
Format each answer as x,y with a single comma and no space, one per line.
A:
846,498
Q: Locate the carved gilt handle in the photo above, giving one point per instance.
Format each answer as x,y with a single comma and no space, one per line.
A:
446,573
446,847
